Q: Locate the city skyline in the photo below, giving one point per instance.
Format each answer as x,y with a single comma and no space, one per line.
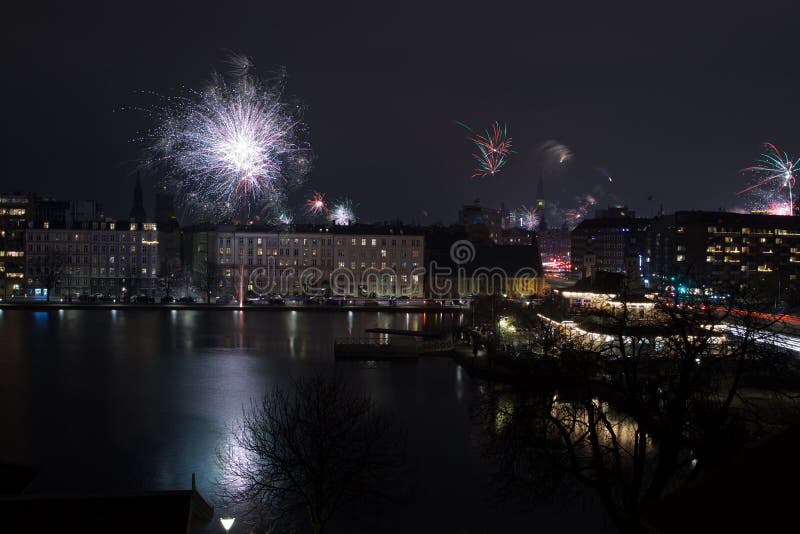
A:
654,115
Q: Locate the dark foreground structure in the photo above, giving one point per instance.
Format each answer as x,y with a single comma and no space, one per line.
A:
756,491
168,512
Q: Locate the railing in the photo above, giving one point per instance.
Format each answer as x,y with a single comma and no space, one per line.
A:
361,341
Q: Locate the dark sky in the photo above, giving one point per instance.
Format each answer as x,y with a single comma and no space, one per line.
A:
673,98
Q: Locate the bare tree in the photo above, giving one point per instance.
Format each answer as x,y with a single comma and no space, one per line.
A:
50,267
652,404
208,278
307,451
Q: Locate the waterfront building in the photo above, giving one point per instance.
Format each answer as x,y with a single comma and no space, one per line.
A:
170,236
357,260
14,211
613,236
457,266
728,251
112,258
17,210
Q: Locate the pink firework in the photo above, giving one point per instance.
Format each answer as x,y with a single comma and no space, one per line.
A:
316,204
773,167
493,148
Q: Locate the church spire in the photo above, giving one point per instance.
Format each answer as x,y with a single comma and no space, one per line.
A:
137,211
540,204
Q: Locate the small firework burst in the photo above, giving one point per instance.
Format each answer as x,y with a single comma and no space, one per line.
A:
773,167
493,148
341,214
528,218
316,204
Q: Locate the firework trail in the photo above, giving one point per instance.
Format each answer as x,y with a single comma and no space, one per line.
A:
233,147
493,147
773,167
605,173
316,204
342,212
555,151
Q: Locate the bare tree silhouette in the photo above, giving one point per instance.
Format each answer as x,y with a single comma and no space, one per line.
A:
651,404
308,450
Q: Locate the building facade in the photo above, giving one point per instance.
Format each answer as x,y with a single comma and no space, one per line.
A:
15,209
737,250
609,241
115,259
356,261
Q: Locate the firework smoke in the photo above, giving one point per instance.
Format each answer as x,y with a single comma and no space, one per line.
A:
553,151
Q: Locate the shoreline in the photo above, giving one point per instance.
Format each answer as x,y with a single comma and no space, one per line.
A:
55,306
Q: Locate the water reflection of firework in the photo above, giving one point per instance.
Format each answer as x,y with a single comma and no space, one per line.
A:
772,168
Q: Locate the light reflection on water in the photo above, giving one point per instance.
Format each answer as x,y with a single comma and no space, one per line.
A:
138,400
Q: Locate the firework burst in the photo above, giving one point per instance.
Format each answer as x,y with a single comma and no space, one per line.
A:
493,147
341,214
574,216
232,148
773,167
528,218
316,204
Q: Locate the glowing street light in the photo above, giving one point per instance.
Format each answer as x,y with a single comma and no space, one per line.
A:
227,522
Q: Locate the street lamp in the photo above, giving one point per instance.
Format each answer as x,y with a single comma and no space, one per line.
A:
227,522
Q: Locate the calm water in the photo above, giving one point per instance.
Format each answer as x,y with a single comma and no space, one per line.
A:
136,400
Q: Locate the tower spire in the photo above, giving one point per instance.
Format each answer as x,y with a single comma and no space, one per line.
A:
540,204
137,211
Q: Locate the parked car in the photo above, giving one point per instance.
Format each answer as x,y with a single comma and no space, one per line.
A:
168,299
186,300
275,299
313,299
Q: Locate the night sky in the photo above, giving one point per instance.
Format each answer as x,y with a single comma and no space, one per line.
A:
672,99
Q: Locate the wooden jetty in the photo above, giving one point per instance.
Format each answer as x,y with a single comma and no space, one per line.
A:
392,344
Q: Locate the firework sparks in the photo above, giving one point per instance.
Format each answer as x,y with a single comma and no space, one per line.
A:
316,204
284,217
773,167
342,213
528,218
576,215
233,147
493,148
